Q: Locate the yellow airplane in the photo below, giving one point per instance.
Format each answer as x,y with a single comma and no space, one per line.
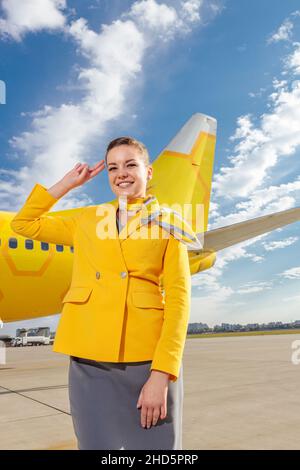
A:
182,174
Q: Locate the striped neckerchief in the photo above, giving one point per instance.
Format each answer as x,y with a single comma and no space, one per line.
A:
169,219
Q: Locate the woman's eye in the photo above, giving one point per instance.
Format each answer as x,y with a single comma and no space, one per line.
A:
130,164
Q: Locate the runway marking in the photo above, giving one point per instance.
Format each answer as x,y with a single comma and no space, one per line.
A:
34,399
33,389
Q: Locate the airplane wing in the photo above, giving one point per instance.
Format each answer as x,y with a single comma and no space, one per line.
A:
223,237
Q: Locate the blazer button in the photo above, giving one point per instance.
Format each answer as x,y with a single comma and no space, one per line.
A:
123,274
97,274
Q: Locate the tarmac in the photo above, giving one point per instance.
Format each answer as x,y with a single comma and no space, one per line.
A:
240,392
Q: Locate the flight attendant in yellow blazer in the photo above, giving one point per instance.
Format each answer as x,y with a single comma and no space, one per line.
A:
125,316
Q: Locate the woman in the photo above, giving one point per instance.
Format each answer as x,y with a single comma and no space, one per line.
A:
136,401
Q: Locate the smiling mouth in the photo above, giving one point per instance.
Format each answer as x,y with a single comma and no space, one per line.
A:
125,184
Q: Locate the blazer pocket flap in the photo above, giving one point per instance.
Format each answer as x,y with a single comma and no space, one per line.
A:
77,294
147,300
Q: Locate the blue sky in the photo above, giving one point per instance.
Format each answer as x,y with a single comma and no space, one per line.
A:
78,74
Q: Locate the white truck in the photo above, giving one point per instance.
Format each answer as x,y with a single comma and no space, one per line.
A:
32,336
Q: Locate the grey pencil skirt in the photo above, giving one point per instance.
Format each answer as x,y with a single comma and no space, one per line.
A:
103,398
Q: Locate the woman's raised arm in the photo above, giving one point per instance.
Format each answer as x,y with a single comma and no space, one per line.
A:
30,221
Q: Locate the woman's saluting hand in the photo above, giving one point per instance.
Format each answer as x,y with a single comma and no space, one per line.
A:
80,174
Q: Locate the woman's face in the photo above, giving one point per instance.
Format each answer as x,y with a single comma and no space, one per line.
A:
125,163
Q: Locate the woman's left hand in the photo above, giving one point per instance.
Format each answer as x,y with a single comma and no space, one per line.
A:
153,399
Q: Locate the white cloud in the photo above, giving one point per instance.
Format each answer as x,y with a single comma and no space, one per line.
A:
254,286
211,284
190,10
22,16
274,245
261,147
61,136
152,17
292,273
292,61
258,94
260,202
161,22
283,33
285,30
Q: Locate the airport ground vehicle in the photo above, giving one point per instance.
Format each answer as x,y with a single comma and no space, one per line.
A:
32,336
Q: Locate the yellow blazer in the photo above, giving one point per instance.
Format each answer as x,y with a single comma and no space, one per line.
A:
115,309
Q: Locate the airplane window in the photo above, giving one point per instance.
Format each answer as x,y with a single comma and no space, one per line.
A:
29,244
59,247
12,242
45,246
72,249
